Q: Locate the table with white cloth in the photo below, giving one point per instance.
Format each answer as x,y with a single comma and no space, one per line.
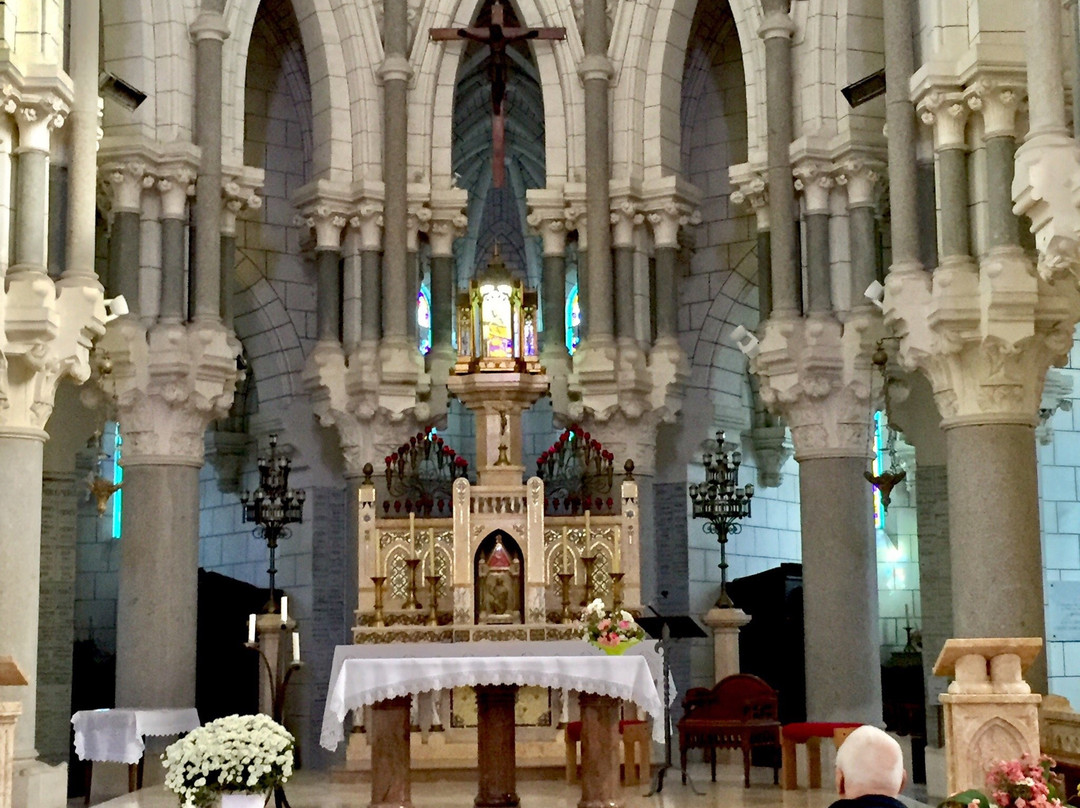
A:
385,677
116,735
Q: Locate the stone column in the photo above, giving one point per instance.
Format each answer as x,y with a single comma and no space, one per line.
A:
328,226
751,189
551,225
817,374
396,73
665,253
209,33
997,102
391,778
596,75
126,183
174,188
625,218
368,223
352,299
860,178
495,747
816,181
946,111
83,141
448,223
238,196
777,30
599,751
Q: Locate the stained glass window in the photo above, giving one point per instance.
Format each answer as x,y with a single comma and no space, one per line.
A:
423,318
573,320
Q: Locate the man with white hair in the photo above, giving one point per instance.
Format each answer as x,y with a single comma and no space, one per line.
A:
869,770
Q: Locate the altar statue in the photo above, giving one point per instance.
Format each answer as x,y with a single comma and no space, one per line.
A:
499,586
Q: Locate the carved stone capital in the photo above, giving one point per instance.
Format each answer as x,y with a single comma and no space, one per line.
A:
818,375
997,100
772,449
946,110
1046,189
46,331
123,183
814,178
239,192
670,204
862,177
626,217
417,221
751,187
448,220
983,337
1056,395
167,385
36,114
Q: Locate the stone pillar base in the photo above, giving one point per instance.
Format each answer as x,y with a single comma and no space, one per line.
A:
38,785
725,625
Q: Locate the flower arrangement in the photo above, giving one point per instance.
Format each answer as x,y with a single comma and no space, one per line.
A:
234,754
609,630
1023,783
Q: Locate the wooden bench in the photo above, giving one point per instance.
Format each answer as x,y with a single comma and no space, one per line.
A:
810,733
740,712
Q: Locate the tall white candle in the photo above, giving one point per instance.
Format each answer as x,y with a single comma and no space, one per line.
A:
431,551
251,628
296,646
588,532
377,539
412,533
565,551
284,608
616,554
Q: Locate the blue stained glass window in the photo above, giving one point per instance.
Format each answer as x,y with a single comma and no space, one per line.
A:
118,477
573,320
423,318
880,464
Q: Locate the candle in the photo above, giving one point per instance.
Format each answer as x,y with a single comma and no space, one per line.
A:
412,533
296,646
565,552
588,532
616,554
251,628
431,550
284,608
378,552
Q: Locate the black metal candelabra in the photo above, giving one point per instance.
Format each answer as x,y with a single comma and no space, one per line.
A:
721,502
273,507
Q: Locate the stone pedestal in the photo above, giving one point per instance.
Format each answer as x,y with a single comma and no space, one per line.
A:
990,712
271,632
725,625
9,714
496,752
599,751
391,778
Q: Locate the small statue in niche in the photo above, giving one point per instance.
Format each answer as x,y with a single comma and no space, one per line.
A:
499,587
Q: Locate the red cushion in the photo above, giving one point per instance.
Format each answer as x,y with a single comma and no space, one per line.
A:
800,733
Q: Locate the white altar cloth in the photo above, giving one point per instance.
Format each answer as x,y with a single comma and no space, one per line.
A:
365,674
117,735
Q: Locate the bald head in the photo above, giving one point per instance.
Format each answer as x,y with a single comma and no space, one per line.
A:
869,762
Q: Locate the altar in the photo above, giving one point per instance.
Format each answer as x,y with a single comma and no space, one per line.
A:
385,678
495,548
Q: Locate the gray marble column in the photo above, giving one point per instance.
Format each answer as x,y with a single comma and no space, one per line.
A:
994,540
174,250
764,273
817,263
1003,228
900,119
328,272
554,302
352,296
935,581
442,302
624,292
371,303
228,275
777,29
209,33
843,664
667,300
82,127
124,256
1045,69
31,206
953,222
20,547
156,604
926,215
596,74
862,231
396,73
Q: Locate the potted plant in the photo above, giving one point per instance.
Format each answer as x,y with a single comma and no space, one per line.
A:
239,758
1023,783
611,632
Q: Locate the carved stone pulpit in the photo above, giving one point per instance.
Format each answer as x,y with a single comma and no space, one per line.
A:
990,712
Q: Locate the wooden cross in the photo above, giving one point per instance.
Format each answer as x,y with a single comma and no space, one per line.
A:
497,36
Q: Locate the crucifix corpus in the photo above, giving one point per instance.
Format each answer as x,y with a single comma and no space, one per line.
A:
497,36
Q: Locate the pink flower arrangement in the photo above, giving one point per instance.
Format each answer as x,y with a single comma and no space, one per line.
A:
1023,783
608,629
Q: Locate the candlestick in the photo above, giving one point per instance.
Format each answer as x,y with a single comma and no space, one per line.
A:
616,552
588,561
251,629
588,531
431,550
616,590
296,646
433,607
412,532
565,550
411,601
284,609
564,587
379,581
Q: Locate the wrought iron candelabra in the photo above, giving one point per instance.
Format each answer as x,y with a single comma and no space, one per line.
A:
273,507
721,502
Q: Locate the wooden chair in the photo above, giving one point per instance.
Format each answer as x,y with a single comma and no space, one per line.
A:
740,712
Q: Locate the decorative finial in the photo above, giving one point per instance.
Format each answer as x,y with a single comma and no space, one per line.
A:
368,471
628,468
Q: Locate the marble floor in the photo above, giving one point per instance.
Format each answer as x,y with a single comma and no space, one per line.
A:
316,790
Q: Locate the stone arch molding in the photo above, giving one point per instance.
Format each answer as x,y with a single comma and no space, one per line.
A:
431,100
272,346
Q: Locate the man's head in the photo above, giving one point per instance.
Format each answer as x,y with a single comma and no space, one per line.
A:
869,762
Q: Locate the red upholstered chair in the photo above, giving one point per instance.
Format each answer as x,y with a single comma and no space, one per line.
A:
740,712
810,733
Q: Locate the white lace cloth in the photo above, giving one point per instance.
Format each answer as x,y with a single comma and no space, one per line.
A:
117,735
363,675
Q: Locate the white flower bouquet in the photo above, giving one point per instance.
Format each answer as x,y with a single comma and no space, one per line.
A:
609,631
234,754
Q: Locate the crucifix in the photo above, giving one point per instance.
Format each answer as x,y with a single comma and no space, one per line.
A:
497,36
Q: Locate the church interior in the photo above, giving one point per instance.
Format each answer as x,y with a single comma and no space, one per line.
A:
432,321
